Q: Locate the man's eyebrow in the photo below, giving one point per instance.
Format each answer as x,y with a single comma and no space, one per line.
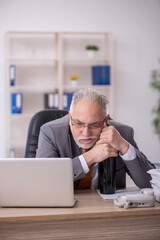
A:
77,120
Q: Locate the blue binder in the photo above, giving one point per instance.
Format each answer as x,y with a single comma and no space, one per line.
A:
67,98
101,75
16,103
12,74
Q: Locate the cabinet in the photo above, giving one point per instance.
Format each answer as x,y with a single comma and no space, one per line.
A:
41,63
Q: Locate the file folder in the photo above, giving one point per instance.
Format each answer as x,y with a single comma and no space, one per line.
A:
67,98
101,75
51,100
16,103
12,75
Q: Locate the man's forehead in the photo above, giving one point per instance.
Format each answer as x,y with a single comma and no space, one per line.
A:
87,110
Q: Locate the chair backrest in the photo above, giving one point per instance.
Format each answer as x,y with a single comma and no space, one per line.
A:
36,122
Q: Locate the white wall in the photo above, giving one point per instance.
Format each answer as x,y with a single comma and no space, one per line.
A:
135,25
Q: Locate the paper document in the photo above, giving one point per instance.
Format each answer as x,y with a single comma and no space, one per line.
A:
118,193
155,182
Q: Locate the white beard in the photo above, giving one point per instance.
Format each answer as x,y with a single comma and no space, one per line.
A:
86,145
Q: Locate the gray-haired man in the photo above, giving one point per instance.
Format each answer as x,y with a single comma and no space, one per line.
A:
87,127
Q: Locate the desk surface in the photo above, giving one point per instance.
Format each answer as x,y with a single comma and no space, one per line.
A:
89,205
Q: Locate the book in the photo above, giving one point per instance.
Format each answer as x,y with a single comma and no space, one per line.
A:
101,75
16,103
67,98
51,100
12,75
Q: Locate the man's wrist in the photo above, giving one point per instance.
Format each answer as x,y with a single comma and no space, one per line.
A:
129,155
84,164
89,157
124,148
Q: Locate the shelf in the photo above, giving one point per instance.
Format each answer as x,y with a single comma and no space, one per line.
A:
32,61
29,33
87,61
32,89
77,87
43,63
21,115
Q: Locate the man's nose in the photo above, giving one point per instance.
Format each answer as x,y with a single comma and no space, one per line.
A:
86,131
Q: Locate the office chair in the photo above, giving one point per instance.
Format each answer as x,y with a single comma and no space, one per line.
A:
36,122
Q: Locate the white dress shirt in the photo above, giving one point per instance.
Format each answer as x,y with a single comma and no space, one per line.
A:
128,156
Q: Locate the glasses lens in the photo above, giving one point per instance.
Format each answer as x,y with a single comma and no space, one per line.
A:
95,125
90,126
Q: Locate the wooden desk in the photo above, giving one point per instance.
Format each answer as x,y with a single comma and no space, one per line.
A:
91,218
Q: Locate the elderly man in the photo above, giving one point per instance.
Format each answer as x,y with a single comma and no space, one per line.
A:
87,126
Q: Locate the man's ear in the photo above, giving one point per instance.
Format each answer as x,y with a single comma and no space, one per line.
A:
107,119
69,114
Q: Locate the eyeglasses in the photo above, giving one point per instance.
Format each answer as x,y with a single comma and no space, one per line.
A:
95,125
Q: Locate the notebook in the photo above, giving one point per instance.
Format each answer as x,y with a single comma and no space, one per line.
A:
36,182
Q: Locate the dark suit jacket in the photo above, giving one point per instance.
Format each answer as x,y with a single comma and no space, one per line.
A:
56,140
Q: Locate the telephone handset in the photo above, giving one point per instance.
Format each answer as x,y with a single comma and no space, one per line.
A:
145,198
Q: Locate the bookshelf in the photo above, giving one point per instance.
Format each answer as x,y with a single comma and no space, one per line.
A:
43,62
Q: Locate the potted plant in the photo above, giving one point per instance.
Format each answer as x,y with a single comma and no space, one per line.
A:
155,84
74,78
91,49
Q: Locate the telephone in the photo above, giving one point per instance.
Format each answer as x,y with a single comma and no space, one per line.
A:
145,198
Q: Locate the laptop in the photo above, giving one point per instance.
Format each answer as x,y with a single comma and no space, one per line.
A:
36,182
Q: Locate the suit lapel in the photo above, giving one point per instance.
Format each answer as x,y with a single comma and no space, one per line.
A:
73,147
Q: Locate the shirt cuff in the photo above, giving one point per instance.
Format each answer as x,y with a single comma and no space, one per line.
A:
129,155
84,164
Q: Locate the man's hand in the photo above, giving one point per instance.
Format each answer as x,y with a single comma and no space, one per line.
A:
111,136
100,152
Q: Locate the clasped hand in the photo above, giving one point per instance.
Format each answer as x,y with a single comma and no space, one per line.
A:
110,143
111,136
